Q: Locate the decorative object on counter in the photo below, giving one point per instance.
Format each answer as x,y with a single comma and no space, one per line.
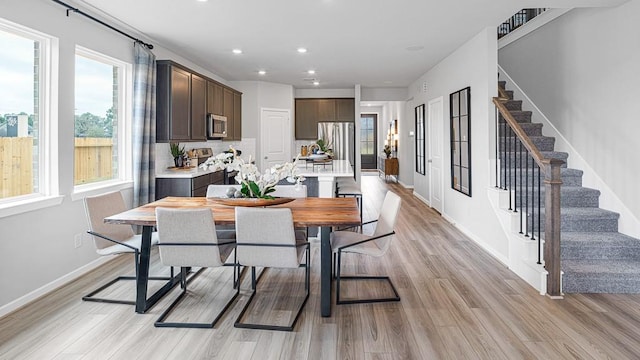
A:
313,149
254,184
387,151
251,202
303,150
322,145
178,154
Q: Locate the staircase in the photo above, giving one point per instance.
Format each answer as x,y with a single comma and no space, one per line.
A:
595,257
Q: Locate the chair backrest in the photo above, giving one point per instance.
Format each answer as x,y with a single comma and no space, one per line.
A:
258,227
184,226
387,219
291,191
214,191
99,207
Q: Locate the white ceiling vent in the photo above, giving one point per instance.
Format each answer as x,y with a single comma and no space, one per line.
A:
424,87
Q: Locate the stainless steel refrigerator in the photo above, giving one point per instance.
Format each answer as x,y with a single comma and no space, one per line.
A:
340,138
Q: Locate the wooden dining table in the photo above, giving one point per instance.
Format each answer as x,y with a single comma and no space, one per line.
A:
311,211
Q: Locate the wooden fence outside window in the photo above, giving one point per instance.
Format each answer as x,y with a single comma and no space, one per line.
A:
93,161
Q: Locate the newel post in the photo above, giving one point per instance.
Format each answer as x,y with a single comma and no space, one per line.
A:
552,183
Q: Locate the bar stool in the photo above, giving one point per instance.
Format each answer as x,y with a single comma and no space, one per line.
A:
348,187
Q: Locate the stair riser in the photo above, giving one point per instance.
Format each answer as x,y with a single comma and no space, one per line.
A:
542,143
519,116
588,251
601,283
531,129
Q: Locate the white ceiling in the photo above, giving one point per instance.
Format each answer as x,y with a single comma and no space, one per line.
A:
374,43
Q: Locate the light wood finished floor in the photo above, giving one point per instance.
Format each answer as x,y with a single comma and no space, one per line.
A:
457,303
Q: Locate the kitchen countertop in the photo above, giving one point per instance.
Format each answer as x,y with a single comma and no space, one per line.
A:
335,168
186,173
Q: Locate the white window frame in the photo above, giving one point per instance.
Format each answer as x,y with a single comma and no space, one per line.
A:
125,137
48,183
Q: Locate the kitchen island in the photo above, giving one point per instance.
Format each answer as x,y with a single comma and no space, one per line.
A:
325,174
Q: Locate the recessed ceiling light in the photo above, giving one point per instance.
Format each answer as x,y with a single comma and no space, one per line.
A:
202,0
316,83
302,50
311,72
262,72
415,48
237,51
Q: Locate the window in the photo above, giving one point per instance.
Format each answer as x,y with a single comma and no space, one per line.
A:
100,119
28,126
420,133
460,102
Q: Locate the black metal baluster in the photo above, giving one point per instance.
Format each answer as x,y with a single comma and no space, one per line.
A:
503,163
533,212
515,174
539,218
525,190
508,140
526,199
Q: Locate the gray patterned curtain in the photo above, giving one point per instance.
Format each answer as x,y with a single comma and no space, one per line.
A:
144,125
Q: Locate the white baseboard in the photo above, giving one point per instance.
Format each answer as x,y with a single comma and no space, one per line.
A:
421,198
47,288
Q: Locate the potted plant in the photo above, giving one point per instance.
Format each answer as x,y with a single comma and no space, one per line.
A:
387,151
178,154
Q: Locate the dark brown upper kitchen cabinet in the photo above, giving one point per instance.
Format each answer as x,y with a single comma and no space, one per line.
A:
237,116
345,110
306,119
173,103
309,112
184,98
198,108
215,98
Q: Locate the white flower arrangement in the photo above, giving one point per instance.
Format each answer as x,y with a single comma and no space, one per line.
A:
254,184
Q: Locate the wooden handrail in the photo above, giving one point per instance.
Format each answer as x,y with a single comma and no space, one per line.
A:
517,129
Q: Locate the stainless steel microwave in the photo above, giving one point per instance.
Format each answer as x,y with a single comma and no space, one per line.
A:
216,126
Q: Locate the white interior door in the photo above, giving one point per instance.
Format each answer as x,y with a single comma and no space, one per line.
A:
435,122
275,139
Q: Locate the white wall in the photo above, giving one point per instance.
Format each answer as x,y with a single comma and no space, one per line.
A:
474,65
582,71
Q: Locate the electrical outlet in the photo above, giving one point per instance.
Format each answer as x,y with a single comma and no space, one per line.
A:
77,240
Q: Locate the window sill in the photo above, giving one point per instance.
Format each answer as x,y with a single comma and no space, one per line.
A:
82,191
27,205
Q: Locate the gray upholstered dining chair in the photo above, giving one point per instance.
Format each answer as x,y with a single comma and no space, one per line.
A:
266,238
293,191
217,191
112,239
375,244
188,239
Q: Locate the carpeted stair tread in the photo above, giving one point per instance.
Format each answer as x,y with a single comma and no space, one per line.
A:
570,177
513,105
582,219
570,196
515,160
520,116
599,246
601,276
543,143
531,129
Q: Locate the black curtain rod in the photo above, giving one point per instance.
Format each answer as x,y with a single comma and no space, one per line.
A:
71,8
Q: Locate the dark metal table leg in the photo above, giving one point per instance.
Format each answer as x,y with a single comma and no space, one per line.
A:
325,271
143,270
